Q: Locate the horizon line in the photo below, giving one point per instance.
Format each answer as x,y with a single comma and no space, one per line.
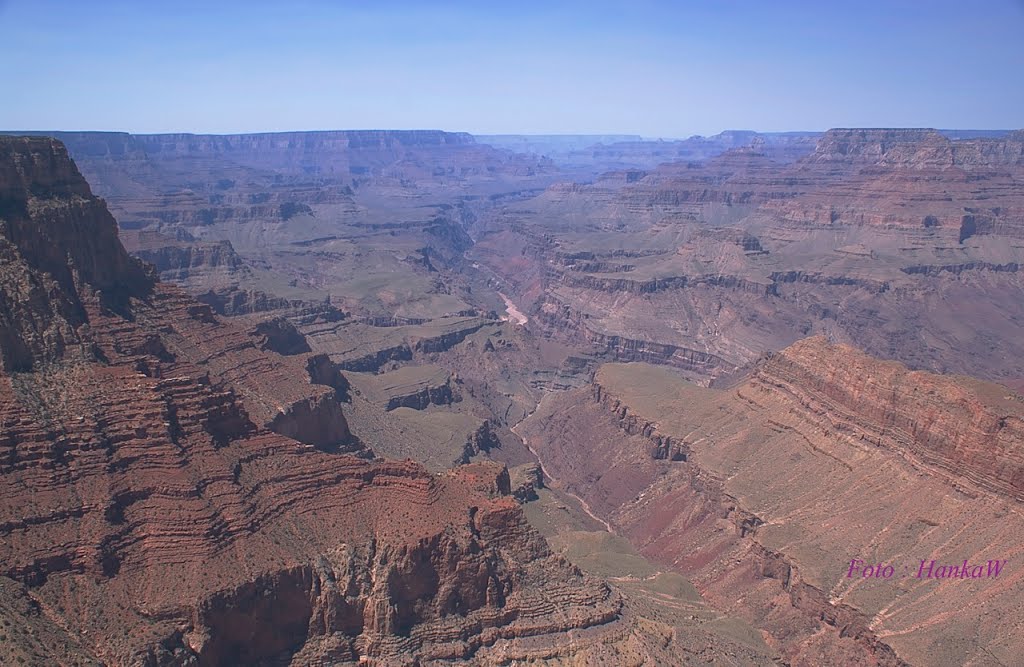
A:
643,137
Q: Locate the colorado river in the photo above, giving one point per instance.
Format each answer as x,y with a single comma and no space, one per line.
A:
555,483
513,312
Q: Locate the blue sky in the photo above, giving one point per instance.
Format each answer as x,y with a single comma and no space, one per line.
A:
666,69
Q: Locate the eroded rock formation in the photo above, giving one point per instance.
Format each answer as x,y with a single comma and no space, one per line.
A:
150,516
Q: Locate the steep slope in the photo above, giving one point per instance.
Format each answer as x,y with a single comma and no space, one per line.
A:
774,496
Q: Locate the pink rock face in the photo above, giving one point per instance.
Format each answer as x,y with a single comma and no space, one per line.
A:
960,427
824,459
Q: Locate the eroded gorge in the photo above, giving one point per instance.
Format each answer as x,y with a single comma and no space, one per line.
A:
423,398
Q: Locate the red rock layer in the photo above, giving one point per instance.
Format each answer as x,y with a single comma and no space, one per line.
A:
968,430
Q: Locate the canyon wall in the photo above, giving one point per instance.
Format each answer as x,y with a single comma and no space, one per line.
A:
151,515
888,239
769,490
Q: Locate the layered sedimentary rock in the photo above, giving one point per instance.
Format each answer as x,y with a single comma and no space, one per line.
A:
150,516
216,274
772,491
968,430
53,243
887,239
912,179
361,348
410,387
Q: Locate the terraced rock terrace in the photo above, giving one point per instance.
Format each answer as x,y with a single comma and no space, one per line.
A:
358,347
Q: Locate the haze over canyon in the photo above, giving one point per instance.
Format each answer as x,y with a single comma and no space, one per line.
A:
422,397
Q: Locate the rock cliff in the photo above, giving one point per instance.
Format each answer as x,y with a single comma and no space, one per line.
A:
56,241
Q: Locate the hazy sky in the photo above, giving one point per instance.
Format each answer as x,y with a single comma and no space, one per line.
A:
642,67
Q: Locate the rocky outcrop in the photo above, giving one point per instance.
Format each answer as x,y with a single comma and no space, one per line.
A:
375,360
969,431
281,336
448,339
176,260
597,266
234,300
560,321
482,440
316,421
662,446
605,284
526,479
416,387
780,277
56,241
424,396
324,371
392,321
380,346
625,349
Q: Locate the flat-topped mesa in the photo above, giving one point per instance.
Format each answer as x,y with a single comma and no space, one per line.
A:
918,148
962,428
1006,151
299,141
847,148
